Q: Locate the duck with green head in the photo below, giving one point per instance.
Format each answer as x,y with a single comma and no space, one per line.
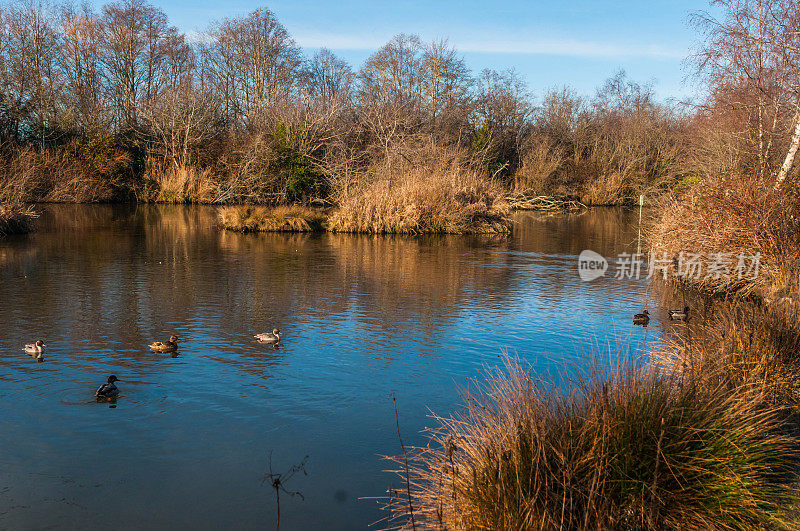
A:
107,391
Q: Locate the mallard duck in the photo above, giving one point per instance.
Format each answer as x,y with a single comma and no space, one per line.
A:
107,391
677,315
642,318
34,348
269,337
165,346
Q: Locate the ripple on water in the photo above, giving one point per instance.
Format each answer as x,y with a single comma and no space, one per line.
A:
361,318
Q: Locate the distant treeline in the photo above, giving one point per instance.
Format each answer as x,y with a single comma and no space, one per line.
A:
117,104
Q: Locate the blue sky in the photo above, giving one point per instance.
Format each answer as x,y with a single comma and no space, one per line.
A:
551,43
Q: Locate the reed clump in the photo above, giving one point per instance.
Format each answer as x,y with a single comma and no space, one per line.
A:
740,346
283,218
638,449
737,216
442,193
179,184
16,219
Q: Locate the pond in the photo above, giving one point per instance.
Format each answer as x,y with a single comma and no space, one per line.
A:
361,317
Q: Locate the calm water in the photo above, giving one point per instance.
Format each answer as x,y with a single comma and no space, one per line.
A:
189,442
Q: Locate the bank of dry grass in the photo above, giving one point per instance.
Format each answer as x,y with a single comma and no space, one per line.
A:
740,345
441,194
738,215
80,172
16,219
639,449
250,218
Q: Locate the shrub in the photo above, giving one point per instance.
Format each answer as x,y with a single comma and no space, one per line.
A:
16,219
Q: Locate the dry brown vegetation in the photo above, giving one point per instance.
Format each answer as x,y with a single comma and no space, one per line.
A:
438,193
736,215
16,219
248,218
637,449
30,174
231,120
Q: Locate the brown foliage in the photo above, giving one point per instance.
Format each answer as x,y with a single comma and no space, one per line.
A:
435,191
634,449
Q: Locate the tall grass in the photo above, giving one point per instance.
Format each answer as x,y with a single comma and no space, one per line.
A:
734,214
179,184
638,449
438,192
248,218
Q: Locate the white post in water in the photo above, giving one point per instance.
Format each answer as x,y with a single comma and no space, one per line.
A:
639,238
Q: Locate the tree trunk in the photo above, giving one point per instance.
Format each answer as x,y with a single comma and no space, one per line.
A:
789,160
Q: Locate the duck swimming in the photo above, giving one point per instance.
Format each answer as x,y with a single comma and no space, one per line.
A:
107,391
165,346
269,337
34,348
642,318
677,315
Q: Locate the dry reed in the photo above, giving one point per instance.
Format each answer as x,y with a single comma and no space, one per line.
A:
248,218
638,449
440,193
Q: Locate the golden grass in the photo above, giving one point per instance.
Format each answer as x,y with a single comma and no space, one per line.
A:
737,215
637,449
28,174
248,218
16,219
180,184
438,195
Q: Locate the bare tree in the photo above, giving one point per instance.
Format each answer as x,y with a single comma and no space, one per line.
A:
32,80
750,56
330,80
253,63
139,53
446,85
80,60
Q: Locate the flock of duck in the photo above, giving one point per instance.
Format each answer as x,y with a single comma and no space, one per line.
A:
643,318
109,391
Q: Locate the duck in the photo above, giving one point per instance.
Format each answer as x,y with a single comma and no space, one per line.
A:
642,318
269,337
34,348
165,346
678,315
107,391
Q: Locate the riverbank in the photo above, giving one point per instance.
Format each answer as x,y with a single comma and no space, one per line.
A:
705,435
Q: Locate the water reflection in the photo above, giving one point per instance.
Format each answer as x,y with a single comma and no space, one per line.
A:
361,317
